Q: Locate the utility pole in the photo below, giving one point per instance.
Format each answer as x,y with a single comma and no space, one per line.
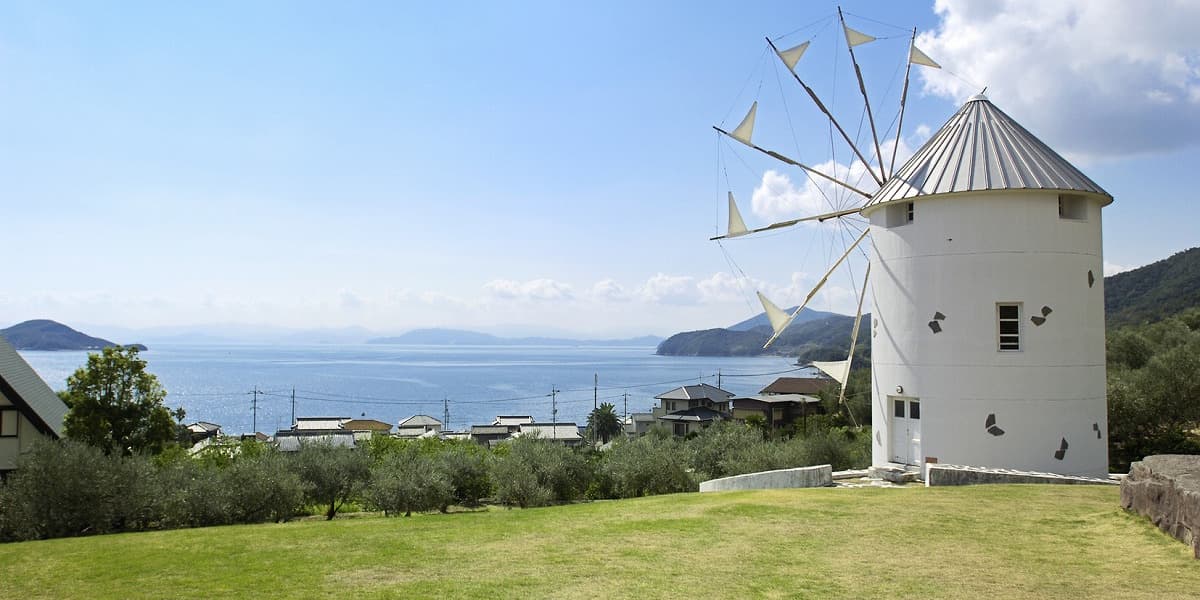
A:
446,413
254,411
554,408
293,406
626,395
718,378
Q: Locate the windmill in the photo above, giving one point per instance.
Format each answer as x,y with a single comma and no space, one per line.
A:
988,314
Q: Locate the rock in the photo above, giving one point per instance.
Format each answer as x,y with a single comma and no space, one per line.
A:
1166,488
893,474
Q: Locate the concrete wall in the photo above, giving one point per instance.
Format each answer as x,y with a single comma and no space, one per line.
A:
941,475
803,477
961,255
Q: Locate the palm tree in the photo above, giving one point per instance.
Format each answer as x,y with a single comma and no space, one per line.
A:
604,422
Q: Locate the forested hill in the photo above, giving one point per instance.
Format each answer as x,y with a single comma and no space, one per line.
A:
1155,291
823,338
44,334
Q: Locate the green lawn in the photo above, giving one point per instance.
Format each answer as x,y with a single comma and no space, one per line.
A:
968,542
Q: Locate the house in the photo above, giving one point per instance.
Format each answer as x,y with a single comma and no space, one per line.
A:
691,420
690,396
418,426
489,435
367,425
202,430
810,386
637,424
779,411
564,433
513,421
319,423
290,440
29,409
988,322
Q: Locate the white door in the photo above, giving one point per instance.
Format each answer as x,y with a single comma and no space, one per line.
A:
906,430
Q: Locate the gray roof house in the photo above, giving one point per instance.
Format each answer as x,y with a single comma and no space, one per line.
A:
29,409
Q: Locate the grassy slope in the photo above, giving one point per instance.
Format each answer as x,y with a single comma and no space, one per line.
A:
987,541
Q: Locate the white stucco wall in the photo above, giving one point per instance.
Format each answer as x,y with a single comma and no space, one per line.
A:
961,255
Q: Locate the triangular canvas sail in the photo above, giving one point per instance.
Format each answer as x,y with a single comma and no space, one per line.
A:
835,369
856,38
736,225
746,128
775,315
791,56
916,57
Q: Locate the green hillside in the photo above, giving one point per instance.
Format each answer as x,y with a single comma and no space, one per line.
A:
1155,291
44,334
965,542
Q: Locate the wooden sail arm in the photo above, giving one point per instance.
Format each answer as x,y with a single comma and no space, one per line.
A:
862,88
789,223
854,338
903,98
783,327
794,163
829,115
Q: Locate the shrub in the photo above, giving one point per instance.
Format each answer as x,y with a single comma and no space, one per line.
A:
841,447
534,472
408,481
68,488
649,465
714,449
333,476
469,469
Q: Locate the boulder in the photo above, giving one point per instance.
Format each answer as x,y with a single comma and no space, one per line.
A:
1166,488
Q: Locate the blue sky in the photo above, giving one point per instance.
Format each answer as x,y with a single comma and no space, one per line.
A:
533,167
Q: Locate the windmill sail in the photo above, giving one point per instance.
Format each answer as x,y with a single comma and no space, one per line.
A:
791,56
779,319
916,57
836,369
746,128
779,329
780,225
856,38
736,225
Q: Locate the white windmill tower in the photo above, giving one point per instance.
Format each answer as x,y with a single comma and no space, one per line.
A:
988,303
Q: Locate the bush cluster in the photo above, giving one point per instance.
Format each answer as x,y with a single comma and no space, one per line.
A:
68,488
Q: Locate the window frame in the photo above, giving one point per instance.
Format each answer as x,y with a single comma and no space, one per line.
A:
1072,207
5,413
1001,320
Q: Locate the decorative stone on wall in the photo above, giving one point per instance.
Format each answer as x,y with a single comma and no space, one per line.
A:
1062,450
934,325
1091,279
990,425
1166,488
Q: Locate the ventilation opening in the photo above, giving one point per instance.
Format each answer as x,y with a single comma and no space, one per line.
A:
900,213
1072,206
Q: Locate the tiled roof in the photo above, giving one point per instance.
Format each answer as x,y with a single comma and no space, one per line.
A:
797,385
696,392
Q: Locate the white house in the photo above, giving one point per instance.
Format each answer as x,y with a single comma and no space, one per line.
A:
29,409
988,321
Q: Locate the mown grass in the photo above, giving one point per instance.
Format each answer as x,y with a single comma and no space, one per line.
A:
969,542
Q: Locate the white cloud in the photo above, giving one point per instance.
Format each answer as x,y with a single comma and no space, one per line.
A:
1113,268
534,289
1092,78
348,300
609,290
670,289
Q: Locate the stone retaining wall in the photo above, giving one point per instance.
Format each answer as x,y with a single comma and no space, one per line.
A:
943,474
802,477
1166,488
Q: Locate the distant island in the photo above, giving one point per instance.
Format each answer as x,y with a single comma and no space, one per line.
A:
457,337
44,334
814,335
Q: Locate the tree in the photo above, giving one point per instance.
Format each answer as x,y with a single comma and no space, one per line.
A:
604,423
333,475
117,405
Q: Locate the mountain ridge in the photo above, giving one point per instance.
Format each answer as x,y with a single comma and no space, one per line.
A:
45,334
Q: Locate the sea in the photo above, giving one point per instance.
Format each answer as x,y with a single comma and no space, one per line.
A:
248,387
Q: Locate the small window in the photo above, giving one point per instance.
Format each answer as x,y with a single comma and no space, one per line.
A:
899,407
1008,318
1072,206
899,214
8,422
914,409
680,429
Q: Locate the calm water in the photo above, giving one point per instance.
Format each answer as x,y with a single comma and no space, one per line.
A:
215,382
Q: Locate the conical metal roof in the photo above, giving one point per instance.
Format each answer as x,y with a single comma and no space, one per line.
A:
981,148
